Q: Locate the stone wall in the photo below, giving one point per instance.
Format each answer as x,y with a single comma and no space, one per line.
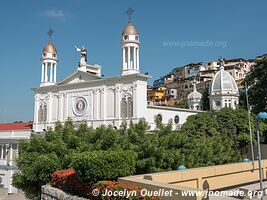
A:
51,193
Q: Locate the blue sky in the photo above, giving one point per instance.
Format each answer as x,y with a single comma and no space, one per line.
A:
172,33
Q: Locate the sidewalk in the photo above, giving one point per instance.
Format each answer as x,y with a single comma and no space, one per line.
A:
18,196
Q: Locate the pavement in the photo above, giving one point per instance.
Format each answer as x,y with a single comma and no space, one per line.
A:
18,196
253,188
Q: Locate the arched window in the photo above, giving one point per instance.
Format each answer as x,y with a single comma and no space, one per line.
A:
130,107
123,108
42,113
45,113
127,107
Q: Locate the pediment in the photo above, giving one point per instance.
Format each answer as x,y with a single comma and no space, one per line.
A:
77,77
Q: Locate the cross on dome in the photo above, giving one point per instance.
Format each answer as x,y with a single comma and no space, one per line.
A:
130,12
50,33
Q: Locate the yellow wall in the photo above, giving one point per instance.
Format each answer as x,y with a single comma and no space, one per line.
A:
212,177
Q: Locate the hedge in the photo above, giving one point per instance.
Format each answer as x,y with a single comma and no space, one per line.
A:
94,166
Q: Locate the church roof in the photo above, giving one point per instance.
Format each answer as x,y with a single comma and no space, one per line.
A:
223,82
16,126
195,95
129,29
80,76
50,48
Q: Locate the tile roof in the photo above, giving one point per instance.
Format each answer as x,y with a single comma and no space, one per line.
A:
16,126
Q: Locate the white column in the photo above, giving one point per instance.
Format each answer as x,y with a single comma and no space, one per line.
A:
129,61
61,107
36,108
134,100
49,109
46,77
134,58
91,94
11,154
117,101
55,72
42,79
66,106
51,72
102,104
137,59
123,58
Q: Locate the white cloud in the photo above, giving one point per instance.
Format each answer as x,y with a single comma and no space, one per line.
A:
54,13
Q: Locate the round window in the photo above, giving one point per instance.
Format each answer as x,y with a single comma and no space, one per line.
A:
176,119
80,106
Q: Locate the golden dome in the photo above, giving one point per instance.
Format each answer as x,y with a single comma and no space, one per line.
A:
50,48
129,29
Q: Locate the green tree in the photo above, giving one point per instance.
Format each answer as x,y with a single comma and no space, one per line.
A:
257,92
205,99
181,103
205,139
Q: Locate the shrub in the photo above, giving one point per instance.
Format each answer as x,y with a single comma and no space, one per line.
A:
35,171
133,190
67,180
103,165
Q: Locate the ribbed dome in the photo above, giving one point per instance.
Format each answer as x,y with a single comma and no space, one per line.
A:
129,29
49,48
223,82
195,95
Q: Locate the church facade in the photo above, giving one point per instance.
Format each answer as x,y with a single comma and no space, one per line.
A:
87,96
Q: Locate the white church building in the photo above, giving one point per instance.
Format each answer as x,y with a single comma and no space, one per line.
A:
85,95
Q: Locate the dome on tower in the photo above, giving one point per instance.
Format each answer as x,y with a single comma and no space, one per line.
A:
49,48
129,29
223,82
194,96
195,99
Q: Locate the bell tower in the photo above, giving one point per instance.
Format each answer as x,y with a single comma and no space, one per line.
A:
49,63
130,47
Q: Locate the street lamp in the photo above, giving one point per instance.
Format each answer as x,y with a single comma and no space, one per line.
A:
261,115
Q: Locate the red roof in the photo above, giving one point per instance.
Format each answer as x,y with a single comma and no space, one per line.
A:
16,126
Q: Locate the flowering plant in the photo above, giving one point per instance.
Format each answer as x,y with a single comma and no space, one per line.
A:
68,181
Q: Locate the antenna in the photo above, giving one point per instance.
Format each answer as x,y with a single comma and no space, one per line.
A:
130,12
50,33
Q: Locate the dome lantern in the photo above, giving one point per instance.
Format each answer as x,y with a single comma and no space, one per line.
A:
195,99
49,62
130,47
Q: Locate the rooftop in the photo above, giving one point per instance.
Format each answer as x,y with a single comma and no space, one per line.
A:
16,126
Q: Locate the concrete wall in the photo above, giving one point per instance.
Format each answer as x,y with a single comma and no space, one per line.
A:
199,179
168,113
